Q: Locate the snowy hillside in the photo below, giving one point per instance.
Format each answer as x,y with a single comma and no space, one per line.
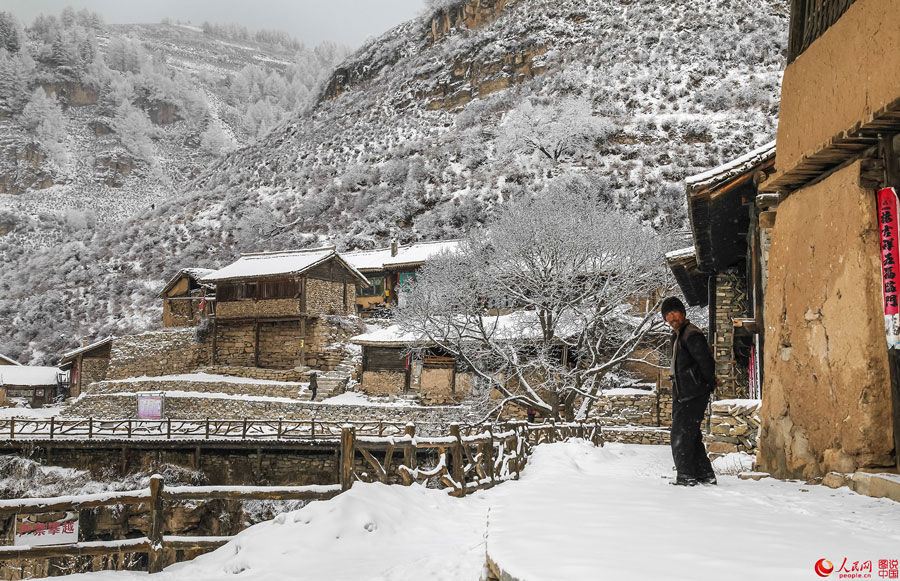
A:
420,134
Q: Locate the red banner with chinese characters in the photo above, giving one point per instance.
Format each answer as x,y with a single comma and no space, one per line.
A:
888,227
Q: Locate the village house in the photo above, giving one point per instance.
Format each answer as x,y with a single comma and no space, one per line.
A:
830,391
725,268
39,385
271,307
186,301
86,364
4,360
389,269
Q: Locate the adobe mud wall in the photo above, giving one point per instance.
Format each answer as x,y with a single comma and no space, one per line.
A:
845,75
826,404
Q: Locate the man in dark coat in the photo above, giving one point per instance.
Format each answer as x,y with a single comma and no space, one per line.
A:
694,378
313,386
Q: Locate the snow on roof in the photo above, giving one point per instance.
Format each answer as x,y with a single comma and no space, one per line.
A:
263,264
28,375
392,335
420,253
414,254
680,253
368,259
195,273
731,169
86,348
9,360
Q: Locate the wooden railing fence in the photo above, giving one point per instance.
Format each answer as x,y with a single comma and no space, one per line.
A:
470,458
175,429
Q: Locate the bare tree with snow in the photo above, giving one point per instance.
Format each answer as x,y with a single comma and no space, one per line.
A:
558,291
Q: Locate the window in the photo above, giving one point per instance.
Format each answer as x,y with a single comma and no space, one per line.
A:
376,290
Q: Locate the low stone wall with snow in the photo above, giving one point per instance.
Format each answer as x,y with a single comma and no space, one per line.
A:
257,372
157,353
632,435
734,426
634,407
185,383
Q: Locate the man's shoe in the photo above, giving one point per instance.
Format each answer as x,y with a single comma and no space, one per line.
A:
685,481
709,480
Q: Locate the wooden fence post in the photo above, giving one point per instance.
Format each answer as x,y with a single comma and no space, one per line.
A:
207,428
348,450
129,429
52,425
279,429
489,455
155,562
459,459
410,459
12,428
90,427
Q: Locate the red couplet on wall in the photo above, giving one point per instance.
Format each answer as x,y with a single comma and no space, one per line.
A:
888,226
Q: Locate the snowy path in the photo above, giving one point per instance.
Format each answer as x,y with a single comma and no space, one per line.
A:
577,513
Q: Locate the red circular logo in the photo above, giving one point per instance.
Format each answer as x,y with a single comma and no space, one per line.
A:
824,567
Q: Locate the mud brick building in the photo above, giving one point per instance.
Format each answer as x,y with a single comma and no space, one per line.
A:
725,268
830,393
271,307
186,301
86,364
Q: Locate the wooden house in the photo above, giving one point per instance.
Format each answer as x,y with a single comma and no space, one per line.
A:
4,360
270,306
86,364
389,269
395,363
186,301
38,384
831,391
724,269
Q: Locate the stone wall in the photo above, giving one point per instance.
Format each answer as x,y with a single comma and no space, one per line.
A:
631,435
122,406
731,303
252,308
92,369
734,426
280,344
437,386
157,353
256,372
234,344
383,382
626,409
327,298
827,402
249,388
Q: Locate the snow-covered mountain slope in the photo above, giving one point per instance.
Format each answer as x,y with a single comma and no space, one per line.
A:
421,132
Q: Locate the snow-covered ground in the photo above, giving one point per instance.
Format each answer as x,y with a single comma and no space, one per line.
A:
578,512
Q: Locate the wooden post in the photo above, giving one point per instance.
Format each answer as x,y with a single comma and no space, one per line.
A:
489,455
410,459
459,458
552,430
12,428
348,450
244,430
279,429
380,428
129,429
155,556
303,329
52,422
168,428
207,428
90,427
124,460
312,429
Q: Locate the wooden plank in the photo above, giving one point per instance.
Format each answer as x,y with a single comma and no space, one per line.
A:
60,504
155,556
250,493
138,545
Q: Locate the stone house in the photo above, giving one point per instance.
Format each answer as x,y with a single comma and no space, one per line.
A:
725,268
831,400
388,269
395,362
271,307
38,384
186,301
86,364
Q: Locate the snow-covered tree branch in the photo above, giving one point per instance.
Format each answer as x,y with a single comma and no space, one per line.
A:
555,293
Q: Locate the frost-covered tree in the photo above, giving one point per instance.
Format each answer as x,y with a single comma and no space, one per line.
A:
12,35
15,75
556,292
557,130
215,141
44,118
135,131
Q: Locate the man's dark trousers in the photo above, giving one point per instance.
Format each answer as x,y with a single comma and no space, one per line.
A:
688,450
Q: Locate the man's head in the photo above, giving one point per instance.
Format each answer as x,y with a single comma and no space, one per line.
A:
673,312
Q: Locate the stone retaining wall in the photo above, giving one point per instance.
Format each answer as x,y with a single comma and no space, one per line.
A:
734,426
248,388
156,353
257,372
626,435
109,406
383,382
